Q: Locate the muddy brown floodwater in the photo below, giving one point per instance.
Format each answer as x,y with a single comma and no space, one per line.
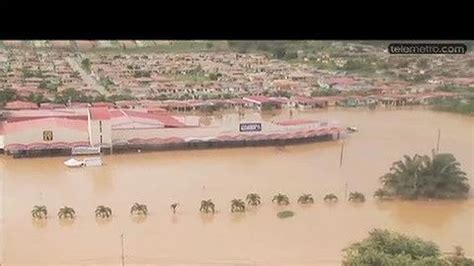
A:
314,236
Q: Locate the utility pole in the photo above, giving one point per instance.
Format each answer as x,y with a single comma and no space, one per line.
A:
340,165
123,255
437,142
342,154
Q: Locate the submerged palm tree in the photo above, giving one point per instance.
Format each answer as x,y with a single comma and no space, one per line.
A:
253,199
237,205
174,206
438,176
103,212
39,212
382,194
139,209
66,212
305,199
356,197
281,199
207,206
330,198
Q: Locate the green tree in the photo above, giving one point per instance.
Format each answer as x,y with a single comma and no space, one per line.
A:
438,176
86,65
330,198
173,206
281,199
39,212
384,247
207,206
306,199
66,212
139,209
253,199
103,212
356,197
237,205
7,95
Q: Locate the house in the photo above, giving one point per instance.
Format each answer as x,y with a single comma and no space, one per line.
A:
20,105
308,102
262,102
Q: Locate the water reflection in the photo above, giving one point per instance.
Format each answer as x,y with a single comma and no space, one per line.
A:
430,213
207,218
237,217
39,223
66,222
103,221
138,219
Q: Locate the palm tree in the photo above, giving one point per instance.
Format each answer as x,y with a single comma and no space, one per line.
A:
237,205
281,199
356,197
39,212
253,199
103,212
66,212
382,194
207,206
305,199
438,176
403,178
174,206
330,198
139,209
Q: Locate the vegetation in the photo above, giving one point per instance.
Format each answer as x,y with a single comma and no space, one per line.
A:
285,214
438,176
86,65
39,212
73,95
382,194
324,92
455,105
281,199
384,247
356,197
306,199
139,209
66,212
103,212
253,199
330,198
173,206
237,205
207,206
7,95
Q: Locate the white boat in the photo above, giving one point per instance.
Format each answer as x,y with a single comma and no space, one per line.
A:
92,161
352,129
74,163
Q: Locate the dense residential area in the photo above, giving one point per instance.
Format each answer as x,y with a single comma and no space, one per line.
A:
219,74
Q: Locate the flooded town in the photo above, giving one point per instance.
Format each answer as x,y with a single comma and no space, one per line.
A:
234,153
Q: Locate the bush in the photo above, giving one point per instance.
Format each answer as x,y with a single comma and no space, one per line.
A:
285,214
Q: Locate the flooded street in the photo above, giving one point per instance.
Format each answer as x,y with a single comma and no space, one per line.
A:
314,236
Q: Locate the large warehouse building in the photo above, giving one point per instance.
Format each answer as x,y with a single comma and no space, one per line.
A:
40,132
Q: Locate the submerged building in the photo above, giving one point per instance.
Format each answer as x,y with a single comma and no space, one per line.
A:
27,133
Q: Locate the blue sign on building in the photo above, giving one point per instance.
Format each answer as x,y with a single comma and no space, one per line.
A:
249,127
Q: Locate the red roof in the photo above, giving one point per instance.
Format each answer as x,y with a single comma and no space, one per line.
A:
52,105
102,104
99,113
295,122
18,105
12,127
260,99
